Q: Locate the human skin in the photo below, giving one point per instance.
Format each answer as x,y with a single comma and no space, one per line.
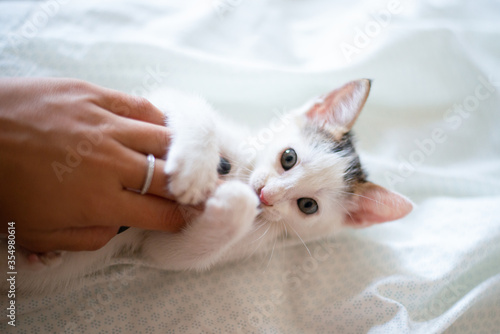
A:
72,156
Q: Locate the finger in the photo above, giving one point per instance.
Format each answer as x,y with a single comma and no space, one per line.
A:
72,239
150,213
132,175
129,106
142,137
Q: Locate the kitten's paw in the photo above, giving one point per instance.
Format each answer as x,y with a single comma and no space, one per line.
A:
193,174
232,209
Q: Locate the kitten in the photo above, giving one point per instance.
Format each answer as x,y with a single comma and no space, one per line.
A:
306,184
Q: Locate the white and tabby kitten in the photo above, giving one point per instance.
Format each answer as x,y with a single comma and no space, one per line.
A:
307,184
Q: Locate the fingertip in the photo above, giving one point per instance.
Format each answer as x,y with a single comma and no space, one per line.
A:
172,218
150,212
179,219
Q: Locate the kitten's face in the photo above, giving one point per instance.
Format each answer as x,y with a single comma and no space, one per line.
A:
309,177
300,180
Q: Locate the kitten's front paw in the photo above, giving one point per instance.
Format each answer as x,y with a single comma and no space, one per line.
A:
232,209
193,175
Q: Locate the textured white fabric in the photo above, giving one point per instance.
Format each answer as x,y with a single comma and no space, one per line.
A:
429,130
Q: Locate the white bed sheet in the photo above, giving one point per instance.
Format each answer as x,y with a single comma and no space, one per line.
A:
438,270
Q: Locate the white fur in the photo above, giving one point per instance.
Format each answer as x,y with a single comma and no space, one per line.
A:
231,225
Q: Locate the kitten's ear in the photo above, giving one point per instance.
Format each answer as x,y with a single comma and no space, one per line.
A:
341,107
375,204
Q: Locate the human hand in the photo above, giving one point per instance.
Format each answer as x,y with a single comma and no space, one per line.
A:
70,153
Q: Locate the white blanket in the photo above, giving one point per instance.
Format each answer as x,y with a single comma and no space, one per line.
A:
430,130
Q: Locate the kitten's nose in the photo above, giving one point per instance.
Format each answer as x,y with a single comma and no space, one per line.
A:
263,199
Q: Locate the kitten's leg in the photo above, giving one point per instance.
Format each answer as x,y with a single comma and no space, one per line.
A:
193,155
227,217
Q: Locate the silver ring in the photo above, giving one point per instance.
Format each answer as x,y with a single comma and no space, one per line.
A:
149,174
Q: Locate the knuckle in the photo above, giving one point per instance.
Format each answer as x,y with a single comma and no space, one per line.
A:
142,105
106,127
77,85
171,217
165,216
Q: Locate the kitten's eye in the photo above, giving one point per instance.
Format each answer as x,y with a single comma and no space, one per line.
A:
307,205
224,166
288,159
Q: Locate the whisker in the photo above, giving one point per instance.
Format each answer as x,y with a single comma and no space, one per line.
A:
272,253
263,234
286,231
284,237
343,207
301,240
261,238
237,164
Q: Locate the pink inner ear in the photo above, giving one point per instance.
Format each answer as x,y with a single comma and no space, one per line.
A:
377,205
342,106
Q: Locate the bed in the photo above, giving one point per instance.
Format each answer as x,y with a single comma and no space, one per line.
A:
430,130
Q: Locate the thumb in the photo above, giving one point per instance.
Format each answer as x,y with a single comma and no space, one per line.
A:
149,212
71,239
